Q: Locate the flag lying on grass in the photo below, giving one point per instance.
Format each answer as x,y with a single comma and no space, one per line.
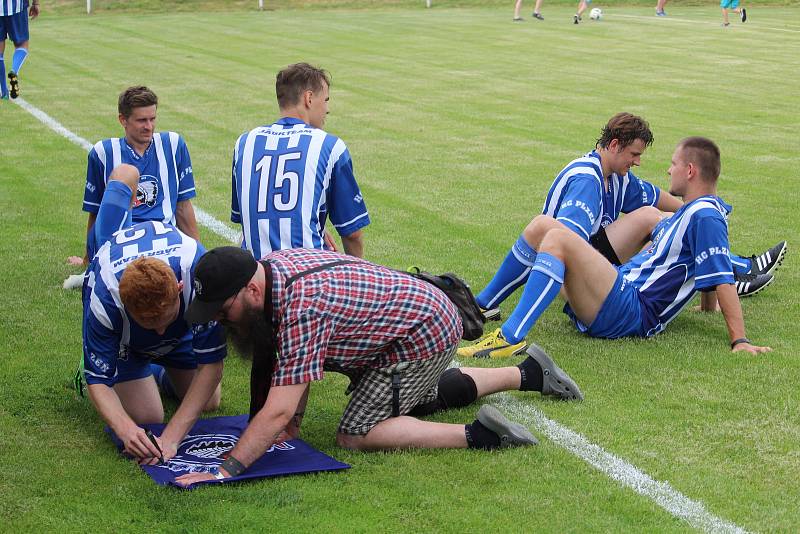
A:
210,440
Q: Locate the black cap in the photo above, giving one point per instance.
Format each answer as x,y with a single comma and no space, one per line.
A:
220,274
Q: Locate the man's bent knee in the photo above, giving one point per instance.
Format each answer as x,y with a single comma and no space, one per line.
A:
349,441
127,174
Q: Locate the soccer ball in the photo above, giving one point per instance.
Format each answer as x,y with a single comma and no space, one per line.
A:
596,13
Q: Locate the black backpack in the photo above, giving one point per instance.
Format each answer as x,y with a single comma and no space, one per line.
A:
458,291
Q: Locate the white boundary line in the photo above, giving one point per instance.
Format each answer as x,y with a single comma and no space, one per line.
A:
662,20
662,493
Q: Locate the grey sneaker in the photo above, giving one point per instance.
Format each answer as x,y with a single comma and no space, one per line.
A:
492,314
511,434
555,382
537,16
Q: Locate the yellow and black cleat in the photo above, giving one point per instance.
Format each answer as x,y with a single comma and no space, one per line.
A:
13,84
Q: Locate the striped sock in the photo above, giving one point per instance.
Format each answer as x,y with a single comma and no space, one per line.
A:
513,272
544,283
18,59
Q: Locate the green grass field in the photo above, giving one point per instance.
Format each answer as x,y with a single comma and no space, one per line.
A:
457,121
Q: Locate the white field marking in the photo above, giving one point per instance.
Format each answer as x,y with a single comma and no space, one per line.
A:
203,217
661,20
674,502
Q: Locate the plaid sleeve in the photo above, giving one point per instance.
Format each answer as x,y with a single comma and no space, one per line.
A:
302,347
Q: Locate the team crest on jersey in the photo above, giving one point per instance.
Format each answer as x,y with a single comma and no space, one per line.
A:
203,452
146,192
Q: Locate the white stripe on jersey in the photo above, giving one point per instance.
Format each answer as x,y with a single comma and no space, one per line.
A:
188,252
354,219
247,177
263,237
116,153
562,182
173,142
576,225
169,217
285,228
101,155
312,161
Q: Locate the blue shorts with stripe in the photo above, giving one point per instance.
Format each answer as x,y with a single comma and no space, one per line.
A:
621,314
15,27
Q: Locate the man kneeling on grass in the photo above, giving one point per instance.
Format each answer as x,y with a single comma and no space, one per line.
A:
302,312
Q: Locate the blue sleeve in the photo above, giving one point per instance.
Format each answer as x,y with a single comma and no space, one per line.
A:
346,205
100,351
708,242
236,211
580,205
639,194
95,183
183,163
208,342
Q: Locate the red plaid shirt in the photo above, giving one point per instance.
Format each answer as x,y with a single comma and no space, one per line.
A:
358,315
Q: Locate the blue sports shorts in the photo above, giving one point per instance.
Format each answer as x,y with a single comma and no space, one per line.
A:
619,316
15,27
135,367
729,4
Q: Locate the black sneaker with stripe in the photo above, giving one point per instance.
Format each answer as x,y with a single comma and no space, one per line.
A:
767,262
748,285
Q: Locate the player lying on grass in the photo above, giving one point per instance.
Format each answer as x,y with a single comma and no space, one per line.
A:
135,293
587,197
689,253
303,312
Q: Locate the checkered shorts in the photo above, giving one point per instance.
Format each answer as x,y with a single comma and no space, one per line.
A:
371,402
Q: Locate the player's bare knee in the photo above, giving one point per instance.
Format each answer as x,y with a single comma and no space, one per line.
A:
214,402
349,441
556,241
535,231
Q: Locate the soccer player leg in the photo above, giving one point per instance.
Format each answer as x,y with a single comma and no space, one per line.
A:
629,234
544,283
186,373
3,85
137,391
513,272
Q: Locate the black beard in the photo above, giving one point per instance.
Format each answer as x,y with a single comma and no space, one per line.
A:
248,333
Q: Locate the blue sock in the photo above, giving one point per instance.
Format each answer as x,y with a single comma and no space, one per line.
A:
163,381
544,283
513,272
114,213
19,58
741,265
3,85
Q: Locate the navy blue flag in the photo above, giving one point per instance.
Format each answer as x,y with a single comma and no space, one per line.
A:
209,441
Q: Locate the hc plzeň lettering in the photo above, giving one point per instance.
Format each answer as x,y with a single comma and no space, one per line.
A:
713,251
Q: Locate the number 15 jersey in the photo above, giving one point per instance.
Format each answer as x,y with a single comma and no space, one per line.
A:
287,179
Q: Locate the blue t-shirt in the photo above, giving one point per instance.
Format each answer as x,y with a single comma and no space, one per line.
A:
165,169
109,333
579,200
12,7
287,179
689,252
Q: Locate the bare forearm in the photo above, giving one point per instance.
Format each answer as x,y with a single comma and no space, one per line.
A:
201,389
354,244
731,310
669,203
108,406
708,301
186,220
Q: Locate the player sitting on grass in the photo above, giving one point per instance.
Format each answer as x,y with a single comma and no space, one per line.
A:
135,293
588,196
302,312
689,253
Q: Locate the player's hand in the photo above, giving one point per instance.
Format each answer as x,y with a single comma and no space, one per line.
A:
75,260
752,349
168,450
138,445
34,11
190,478
330,244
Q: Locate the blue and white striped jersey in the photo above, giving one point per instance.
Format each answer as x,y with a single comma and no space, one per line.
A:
689,252
578,200
12,7
165,169
287,178
109,333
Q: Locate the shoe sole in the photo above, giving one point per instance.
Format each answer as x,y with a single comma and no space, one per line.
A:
511,434
487,353
13,84
556,382
754,292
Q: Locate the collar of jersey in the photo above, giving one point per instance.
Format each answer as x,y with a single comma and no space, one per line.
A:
289,121
133,152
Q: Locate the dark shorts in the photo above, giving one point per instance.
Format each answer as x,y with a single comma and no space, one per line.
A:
371,401
15,27
620,315
601,243
136,367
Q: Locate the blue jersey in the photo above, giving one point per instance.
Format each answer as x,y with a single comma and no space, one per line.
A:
689,252
287,179
12,7
165,179
109,333
579,200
